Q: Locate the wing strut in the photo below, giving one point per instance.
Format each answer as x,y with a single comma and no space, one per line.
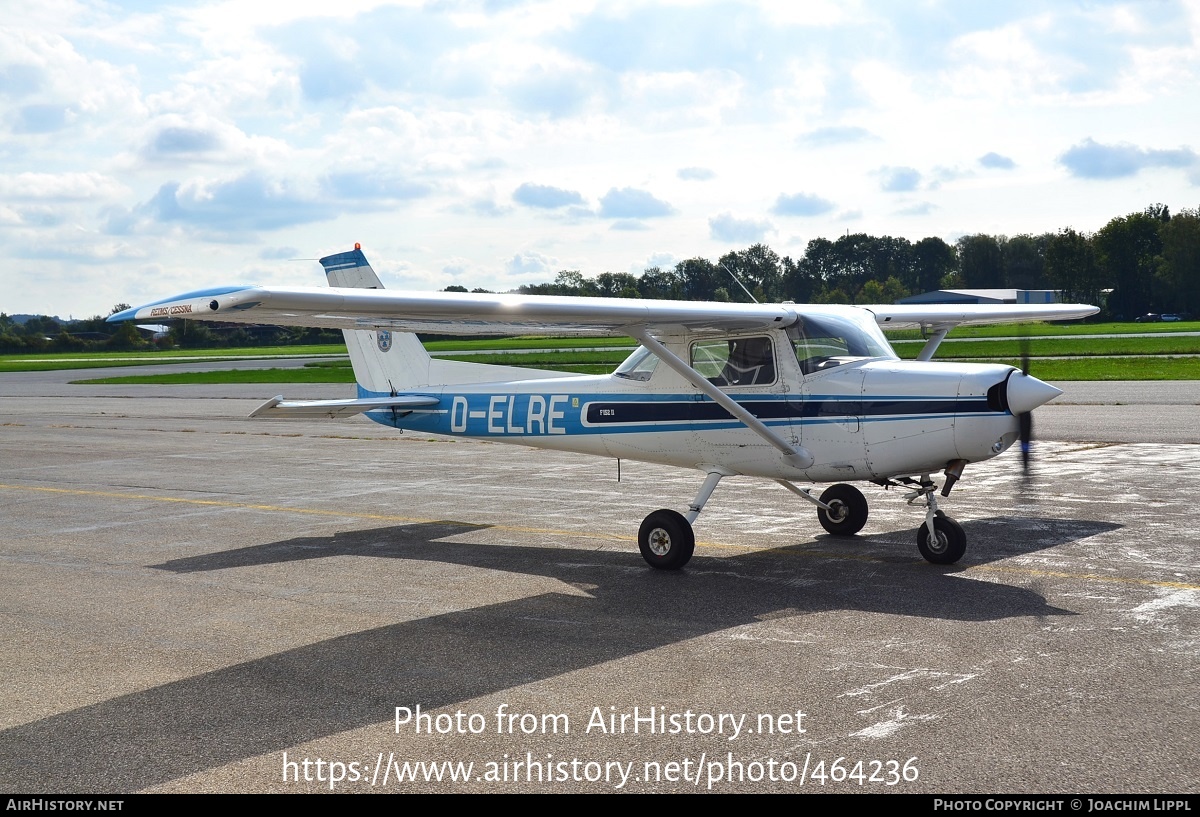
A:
793,455
935,340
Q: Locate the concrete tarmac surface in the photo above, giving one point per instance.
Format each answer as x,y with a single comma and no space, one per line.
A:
192,601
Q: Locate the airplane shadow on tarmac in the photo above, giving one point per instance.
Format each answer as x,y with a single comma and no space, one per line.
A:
272,703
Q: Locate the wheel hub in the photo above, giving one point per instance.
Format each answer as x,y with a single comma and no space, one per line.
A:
939,543
838,510
660,542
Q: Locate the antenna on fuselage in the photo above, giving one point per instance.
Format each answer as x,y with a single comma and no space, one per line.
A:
739,283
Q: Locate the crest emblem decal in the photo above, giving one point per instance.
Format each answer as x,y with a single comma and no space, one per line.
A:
384,339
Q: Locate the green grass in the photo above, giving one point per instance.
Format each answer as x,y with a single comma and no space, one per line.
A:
1082,368
1067,345
61,365
1090,357
907,344
547,360
308,374
56,361
99,360
531,342
1013,330
303,375
1112,368
160,355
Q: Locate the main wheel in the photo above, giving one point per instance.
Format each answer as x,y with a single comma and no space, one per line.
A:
666,540
847,510
948,547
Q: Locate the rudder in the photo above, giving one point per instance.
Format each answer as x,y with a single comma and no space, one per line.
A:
384,362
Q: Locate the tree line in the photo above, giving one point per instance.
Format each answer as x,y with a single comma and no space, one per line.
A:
1147,261
1142,262
42,334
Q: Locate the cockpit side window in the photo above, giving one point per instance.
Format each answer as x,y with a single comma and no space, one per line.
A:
825,341
735,361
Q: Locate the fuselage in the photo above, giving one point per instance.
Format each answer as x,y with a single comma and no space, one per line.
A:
862,414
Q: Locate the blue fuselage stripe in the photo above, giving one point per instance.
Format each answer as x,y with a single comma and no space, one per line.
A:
488,415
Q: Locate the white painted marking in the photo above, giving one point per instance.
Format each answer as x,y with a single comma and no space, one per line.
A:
1180,598
883,729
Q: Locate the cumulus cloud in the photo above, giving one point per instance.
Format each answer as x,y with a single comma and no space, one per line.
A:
178,139
248,202
730,229
834,135
801,204
899,179
695,174
995,161
628,202
181,139
921,208
1092,160
663,260
58,186
942,173
527,263
545,196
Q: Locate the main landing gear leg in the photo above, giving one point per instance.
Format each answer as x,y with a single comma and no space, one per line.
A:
940,539
666,539
841,510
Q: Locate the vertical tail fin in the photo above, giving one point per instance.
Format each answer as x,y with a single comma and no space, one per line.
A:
384,362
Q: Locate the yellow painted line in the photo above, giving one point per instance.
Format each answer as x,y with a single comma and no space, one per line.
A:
218,503
1058,574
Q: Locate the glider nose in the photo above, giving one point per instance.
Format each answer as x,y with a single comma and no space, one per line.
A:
1026,393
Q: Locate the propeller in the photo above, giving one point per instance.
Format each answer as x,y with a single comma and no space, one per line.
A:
1025,418
1025,393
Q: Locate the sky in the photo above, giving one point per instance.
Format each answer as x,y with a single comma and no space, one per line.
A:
154,148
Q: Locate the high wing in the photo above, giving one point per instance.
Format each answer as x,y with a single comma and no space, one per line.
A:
490,314
457,313
935,315
938,319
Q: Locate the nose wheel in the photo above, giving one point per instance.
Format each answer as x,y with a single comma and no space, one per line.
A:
940,539
946,545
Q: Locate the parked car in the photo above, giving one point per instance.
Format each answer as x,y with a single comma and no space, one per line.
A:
1149,317
1169,318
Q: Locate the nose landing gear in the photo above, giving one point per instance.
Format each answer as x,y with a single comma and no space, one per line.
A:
940,539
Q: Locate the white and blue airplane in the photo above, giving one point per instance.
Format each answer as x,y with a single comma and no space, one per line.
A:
786,392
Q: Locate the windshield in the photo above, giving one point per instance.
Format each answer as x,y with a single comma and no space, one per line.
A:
824,341
638,366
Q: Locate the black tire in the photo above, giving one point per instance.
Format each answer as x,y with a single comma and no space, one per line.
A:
849,510
666,540
950,545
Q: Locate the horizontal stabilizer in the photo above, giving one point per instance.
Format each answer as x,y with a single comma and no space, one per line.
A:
276,407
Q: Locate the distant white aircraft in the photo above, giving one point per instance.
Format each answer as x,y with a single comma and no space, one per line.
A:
785,392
